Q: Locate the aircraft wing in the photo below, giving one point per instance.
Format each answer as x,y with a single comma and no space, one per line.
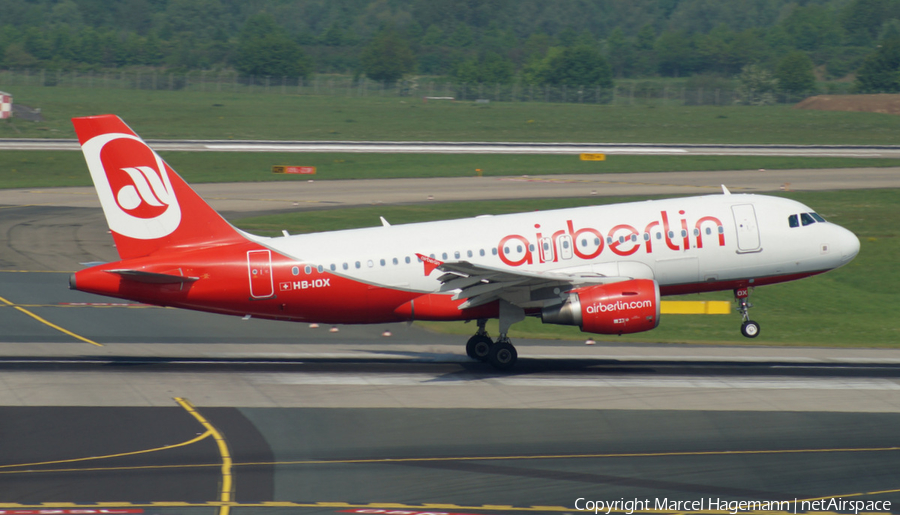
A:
481,284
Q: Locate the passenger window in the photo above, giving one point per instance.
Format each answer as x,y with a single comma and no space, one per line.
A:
805,219
295,270
346,266
469,253
647,236
793,221
320,269
382,263
596,241
307,270
444,256
817,217
565,244
456,255
358,265
407,260
333,267
494,251
708,231
481,252
396,262
370,263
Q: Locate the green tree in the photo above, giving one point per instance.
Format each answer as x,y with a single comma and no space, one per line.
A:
433,36
387,57
676,54
620,53
880,72
489,68
812,27
577,66
862,19
15,56
757,86
265,50
795,73
334,36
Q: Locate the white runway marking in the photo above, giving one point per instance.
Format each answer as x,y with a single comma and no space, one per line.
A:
543,381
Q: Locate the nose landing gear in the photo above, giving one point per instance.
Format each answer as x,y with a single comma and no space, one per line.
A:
749,328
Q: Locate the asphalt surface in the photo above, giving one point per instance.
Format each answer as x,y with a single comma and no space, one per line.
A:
170,411
241,199
451,460
447,147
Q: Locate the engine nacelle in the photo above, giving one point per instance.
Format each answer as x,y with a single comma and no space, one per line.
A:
616,308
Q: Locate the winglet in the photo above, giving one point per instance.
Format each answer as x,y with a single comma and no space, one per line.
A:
384,222
429,262
725,190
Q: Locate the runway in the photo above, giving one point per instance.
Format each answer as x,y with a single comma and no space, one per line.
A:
144,408
453,147
108,405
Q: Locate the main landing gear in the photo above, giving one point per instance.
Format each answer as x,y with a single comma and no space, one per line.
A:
500,354
749,328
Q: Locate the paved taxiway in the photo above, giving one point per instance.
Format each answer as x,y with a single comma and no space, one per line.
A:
448,147
304,194
177,412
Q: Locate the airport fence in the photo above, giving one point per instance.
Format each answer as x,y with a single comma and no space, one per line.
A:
630,93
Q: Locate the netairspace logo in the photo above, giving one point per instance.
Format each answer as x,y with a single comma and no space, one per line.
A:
829,504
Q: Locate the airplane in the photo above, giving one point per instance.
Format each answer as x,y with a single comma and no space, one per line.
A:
601,268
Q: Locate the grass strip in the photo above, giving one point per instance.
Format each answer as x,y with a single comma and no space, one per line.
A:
220,115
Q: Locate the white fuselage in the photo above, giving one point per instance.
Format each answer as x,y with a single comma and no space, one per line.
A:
686,244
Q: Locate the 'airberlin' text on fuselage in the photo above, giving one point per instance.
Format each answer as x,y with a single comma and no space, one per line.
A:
623,240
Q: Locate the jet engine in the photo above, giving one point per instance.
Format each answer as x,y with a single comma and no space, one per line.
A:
615,308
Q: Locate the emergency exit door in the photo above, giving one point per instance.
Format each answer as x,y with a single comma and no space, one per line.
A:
747,228
259,268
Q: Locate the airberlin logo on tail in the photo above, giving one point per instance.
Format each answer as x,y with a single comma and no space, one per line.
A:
133,184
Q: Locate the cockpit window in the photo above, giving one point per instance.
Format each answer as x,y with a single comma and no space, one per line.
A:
793,221
817,217
806,219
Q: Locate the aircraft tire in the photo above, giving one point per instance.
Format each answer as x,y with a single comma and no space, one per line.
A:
478,347
503,356
750,329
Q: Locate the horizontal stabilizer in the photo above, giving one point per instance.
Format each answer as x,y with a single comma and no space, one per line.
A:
152,277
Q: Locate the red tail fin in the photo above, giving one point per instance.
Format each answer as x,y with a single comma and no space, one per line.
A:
147,205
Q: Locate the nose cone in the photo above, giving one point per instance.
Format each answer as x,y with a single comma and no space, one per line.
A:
849,245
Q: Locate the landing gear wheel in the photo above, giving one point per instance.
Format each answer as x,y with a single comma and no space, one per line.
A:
503,356
750,329
478,347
